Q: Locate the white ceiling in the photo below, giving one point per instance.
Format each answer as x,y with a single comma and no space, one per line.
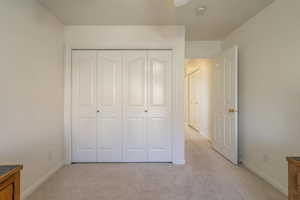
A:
221,17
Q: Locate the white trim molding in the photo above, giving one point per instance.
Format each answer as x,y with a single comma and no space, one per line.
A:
67,106
179,162
28,191
259,172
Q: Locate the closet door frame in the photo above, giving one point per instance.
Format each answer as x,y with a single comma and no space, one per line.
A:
175,104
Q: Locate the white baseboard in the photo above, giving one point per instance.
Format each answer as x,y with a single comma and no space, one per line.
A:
26,193
67,162
179,162
206,136
256,170
209,140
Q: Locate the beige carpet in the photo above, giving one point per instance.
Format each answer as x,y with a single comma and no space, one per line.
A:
206,176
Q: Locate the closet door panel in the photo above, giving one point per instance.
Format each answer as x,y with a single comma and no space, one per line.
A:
136,85
109,106
84,121
159,139
135,101
158,116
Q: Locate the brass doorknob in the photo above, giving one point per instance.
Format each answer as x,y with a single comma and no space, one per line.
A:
232,110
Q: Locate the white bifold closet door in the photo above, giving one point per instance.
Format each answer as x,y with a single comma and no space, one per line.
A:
121,106
97,106
109,106
147,106
84,106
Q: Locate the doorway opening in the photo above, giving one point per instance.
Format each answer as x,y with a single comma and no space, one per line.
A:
211,101
198,95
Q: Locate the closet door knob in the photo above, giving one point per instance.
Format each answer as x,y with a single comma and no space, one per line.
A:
146,111
98,111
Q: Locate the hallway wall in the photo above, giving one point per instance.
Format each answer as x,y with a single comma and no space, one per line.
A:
31,85
202,49
269,89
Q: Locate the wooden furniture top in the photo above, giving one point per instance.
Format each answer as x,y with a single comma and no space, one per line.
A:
294,160
7,170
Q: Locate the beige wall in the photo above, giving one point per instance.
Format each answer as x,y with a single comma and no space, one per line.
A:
269,87
31,85
202,49
205,93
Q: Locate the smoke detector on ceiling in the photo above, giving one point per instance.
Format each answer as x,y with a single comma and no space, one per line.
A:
179,3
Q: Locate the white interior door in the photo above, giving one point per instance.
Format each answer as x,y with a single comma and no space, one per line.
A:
84,122
194,98
158,115
225,137
135,106
109,106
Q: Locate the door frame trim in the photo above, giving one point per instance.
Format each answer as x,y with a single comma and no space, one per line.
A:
177,75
